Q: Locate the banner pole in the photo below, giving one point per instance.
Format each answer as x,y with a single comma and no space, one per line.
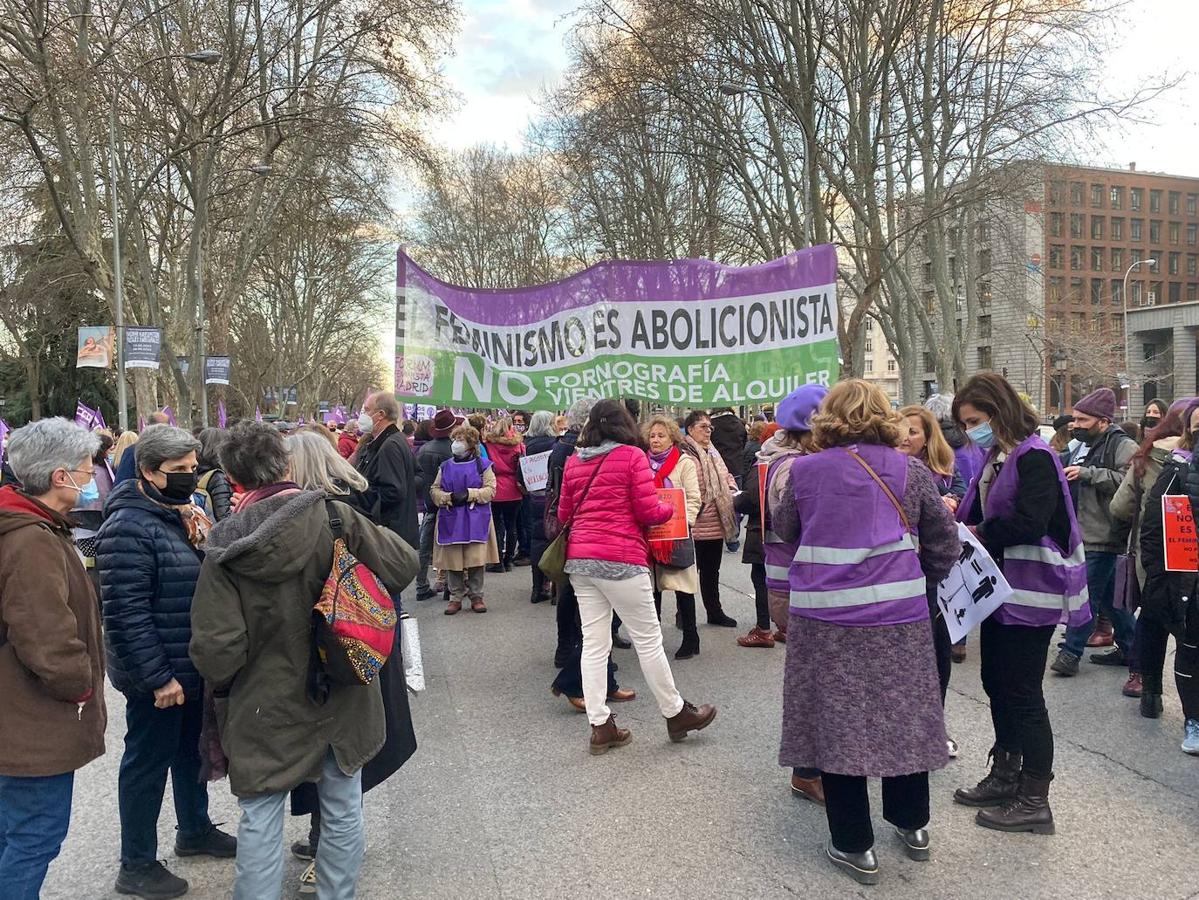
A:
118,283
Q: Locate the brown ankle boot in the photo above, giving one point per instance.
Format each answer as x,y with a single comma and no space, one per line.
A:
608,735
998,787
688,719
1029,811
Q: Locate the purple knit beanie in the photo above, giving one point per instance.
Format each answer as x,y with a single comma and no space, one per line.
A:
1101,404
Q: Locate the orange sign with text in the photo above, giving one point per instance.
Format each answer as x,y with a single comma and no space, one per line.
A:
674,528
1178,527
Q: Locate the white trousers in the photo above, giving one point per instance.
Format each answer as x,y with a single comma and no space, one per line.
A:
633,600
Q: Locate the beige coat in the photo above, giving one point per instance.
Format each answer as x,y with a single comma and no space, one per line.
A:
711,524
1132,497
686,580
460,557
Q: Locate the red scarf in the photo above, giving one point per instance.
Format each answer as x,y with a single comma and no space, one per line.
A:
661,550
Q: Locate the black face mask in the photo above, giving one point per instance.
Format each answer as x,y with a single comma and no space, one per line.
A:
180,486
1150,421
1085,435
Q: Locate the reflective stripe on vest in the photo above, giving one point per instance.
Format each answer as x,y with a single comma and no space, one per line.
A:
840,556
859,596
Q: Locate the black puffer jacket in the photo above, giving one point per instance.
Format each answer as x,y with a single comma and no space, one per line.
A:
219,489
148,574
729,437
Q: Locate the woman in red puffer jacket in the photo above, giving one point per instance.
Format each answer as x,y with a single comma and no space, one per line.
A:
504,449
608,489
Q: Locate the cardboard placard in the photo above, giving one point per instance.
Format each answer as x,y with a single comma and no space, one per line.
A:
973,589
536,471
674,528
1178,528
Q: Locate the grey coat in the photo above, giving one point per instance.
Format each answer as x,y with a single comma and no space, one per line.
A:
1099,478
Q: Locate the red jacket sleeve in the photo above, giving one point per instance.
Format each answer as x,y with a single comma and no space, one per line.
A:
647,508
566,499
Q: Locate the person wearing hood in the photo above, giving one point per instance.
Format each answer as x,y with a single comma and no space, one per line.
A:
429,458
539,438
149,552
52,712
504,450
465,543
729,437
252,641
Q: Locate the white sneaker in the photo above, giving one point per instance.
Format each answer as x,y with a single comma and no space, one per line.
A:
953,749
308,879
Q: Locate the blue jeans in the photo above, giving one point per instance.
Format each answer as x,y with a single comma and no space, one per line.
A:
338,853
158,741
1101,585
34,815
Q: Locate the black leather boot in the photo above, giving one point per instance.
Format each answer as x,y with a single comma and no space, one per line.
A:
1151,705
999,786
1028,812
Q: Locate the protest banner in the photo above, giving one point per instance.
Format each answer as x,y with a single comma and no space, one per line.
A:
1178,527
674,528
143,347
973,589
689,332
94,347
216,369
535,467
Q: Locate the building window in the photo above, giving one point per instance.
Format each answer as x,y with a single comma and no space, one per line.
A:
984,232
1055,224
1076,191
1136,293
1097,196
1155,293
1076,258
1057,256
1096,259
1117,229
930,302
1117,258
984,261
984,356
1174,229
928,272
1175,201
1117,289
1155,231
1192,291
890,365
1055,289
1137,255
869,364
1075,225
1117,198
1192,264
1136,199
869,345
1136,227
1173,263
1096,228
984,326
869,326
1155,201
1192,204
1192,235
1096,291
984,296
928,361
1175,291
1057,190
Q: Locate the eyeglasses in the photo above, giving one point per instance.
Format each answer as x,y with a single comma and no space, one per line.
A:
702,427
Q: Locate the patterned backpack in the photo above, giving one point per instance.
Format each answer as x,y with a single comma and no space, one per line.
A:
354,621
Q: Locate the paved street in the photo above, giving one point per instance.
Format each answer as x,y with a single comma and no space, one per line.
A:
503,801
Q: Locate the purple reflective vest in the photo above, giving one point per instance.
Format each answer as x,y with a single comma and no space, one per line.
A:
856,564
470,524
779,553
1049,582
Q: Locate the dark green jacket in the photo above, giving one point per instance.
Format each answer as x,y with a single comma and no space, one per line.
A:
251,639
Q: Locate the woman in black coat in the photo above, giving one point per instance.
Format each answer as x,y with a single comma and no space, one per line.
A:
212,484
539,438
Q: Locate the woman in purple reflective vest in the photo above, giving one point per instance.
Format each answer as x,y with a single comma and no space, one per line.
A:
1019,506
860,694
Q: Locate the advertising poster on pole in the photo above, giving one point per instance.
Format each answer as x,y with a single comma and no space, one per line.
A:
143,347
686,332
95,345
216,369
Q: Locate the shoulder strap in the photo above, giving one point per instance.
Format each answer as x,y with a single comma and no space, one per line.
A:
886,490
579,504
335,523
205,480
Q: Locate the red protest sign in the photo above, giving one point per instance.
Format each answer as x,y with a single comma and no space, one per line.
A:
674,528
1178,526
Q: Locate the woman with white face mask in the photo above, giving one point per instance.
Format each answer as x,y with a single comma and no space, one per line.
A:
1019,506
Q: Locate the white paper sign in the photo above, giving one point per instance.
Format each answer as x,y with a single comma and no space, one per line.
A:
536,471
414,664
973,589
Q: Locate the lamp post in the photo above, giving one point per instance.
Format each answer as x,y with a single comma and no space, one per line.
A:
204,58
1152,263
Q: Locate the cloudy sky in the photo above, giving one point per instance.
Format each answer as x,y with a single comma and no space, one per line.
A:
509,49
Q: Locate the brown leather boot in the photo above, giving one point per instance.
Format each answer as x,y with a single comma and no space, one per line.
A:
606,736
688,719
1000,785
808,788
1029,811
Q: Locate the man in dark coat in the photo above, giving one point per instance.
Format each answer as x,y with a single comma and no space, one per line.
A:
390,469
429,458
729,437
149,557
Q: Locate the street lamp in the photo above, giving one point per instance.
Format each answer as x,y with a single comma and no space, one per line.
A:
1152,263
201,57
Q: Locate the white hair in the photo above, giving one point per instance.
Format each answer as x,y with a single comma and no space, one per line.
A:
316,466
39,449
541,425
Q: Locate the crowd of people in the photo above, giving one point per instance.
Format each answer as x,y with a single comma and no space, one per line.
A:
189,569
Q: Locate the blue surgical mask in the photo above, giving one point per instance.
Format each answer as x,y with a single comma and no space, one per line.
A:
982,435
89,493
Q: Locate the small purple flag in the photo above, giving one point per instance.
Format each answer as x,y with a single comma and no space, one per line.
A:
221,419
86,417
170,414
141,423
257,414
